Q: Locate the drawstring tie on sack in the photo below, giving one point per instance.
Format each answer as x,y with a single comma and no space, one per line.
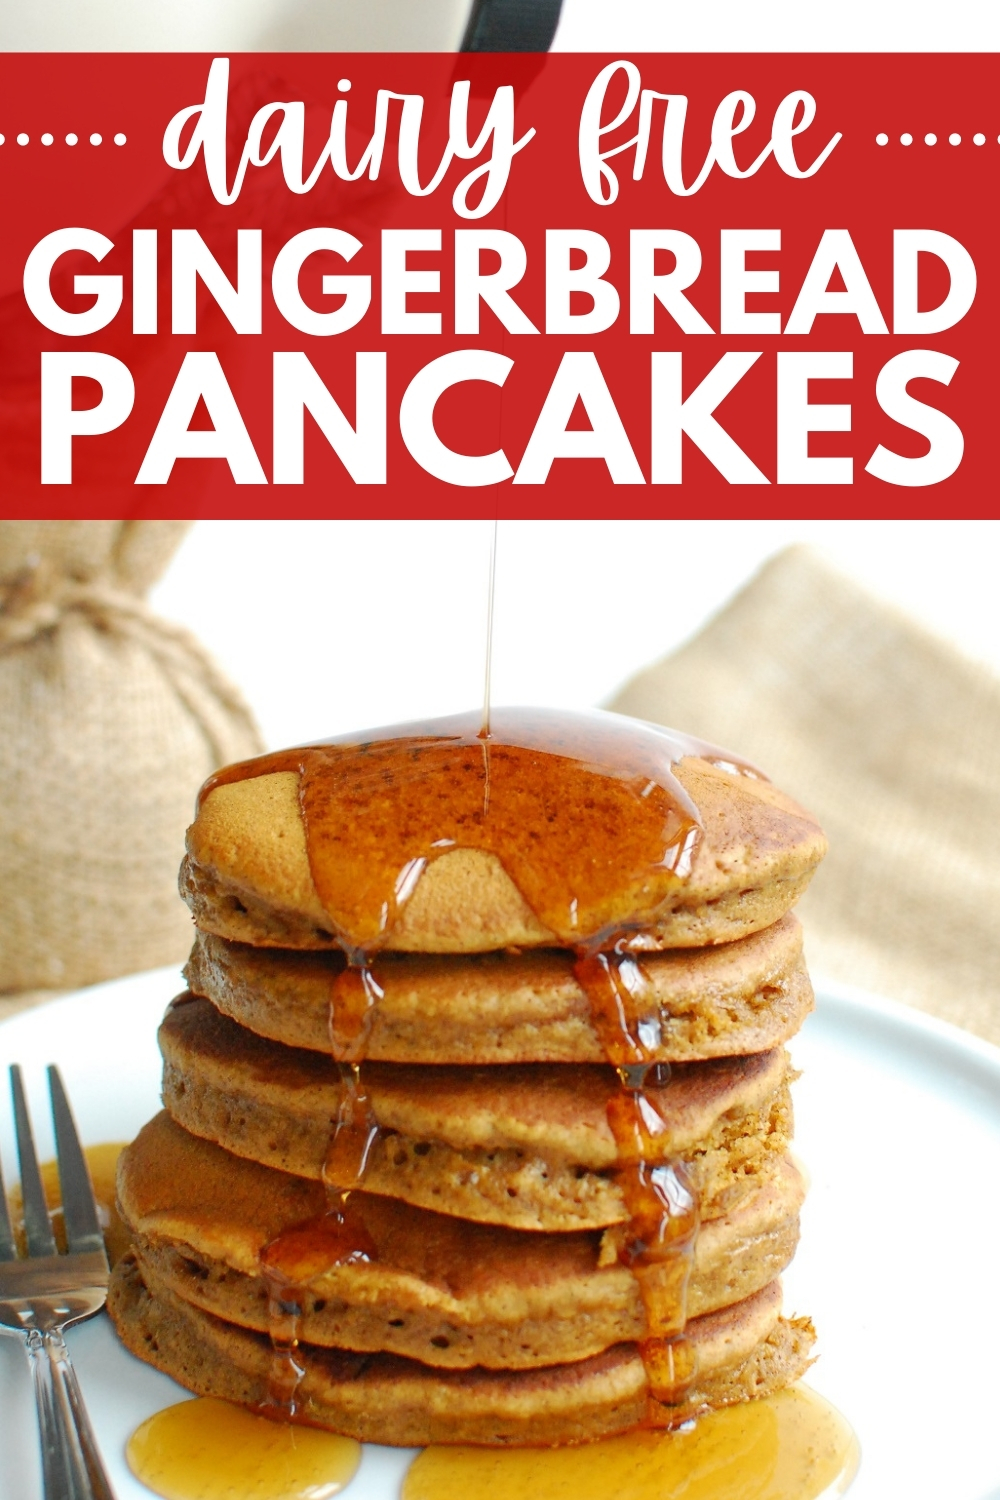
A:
40,598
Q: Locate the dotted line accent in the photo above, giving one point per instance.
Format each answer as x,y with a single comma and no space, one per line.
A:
930,139
48,139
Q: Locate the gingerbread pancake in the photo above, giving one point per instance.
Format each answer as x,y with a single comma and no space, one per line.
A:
742,1351
437,1289
527,1146
555,829
741,997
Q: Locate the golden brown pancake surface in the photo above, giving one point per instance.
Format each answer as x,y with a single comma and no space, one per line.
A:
528,1146
743,1351
741,997
438,1289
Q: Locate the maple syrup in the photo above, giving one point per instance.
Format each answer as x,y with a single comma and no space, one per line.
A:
585,814
791,1446
659,1242
206,1449
590,822
299,1254
102,1162
294,1259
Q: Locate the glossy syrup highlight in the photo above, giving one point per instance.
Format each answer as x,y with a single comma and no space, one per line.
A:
208,1449
585,813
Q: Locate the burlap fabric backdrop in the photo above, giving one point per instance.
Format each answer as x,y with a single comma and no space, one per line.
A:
109,721
893,739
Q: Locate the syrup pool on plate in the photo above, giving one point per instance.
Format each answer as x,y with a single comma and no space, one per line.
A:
208,1449
102,1161
791,1446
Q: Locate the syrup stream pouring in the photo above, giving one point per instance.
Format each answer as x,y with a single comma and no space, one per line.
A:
489,637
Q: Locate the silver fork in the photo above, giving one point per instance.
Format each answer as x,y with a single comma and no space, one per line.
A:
44,1292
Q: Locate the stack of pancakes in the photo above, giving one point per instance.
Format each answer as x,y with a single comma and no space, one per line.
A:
479,1279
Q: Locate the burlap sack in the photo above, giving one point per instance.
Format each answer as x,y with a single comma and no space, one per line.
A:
892,738
109,720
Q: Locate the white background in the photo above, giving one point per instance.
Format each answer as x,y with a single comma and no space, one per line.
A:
586,25
334,625
779,26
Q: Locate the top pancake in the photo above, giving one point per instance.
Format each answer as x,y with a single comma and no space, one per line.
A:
247,874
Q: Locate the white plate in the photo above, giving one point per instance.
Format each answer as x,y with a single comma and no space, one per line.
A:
898,1121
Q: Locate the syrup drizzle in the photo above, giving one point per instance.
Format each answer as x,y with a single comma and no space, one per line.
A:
590,822
299,1254
659,1242
485,731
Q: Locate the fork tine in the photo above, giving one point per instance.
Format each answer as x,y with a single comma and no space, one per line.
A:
37,1227
83,1230
8,1250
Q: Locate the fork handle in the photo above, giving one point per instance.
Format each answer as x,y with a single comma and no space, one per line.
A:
71,1463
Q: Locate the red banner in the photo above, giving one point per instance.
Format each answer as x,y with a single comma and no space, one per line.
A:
405,285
